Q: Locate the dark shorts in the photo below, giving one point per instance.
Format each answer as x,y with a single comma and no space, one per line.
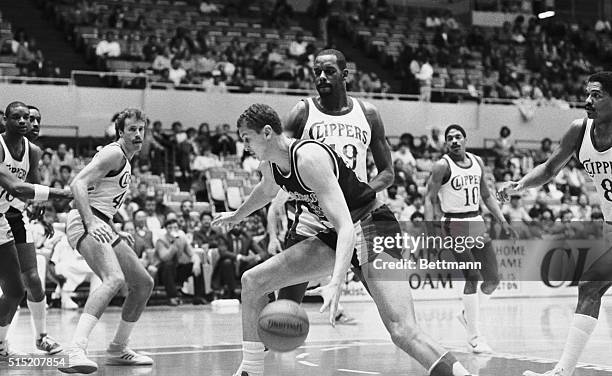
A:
379,223
15,220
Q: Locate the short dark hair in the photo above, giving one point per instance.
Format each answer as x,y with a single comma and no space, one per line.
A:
417,214
205,213
128,113
259,115
604,78
169,222
12,105
47,153
456,127
340,59
33,108
65,167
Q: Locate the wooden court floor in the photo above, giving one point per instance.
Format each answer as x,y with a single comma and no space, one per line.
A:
195,340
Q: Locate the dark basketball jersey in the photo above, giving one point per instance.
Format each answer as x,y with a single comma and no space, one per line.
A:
357,194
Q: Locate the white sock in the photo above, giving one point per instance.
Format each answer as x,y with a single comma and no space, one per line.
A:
459,370
4,332
84,328
483,298
123,332
38,312
577,339
253,358
472,310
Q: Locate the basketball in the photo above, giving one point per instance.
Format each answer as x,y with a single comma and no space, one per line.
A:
283,325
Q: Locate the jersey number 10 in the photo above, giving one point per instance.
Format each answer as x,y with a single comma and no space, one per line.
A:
475,194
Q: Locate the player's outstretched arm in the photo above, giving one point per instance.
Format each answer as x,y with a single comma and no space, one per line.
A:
105,161
263,193
381,152
317,173
27,191
544,172
439,171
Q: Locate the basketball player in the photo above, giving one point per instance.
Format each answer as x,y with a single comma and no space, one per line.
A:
349,125
99,190
14,168
456,185
14,143
590,140
318,178
35,119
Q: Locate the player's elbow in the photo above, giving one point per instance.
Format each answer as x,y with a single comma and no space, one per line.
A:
21,191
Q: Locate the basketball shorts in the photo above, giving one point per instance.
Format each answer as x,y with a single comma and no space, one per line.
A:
378,223
17,220
6,234
76,230
456,226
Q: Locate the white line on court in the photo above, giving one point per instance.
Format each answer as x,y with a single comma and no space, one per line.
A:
306,363
360,372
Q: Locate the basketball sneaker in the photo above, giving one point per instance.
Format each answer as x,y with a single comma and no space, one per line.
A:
6,352
344,319
121,355
461,317
554,372
478,345
48,344
78,362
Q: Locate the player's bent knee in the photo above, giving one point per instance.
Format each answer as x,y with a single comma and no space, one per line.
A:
251,282
114,281
590,292
31,277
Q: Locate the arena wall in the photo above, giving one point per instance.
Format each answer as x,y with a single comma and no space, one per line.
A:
92,108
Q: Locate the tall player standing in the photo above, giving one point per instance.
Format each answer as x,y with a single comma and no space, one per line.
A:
99,190
350,126
13,172
590,139
18,151
456,185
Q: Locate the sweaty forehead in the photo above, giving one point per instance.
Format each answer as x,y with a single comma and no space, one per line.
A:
454,133
131,121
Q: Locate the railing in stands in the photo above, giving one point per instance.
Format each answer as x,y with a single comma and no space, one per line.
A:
143,81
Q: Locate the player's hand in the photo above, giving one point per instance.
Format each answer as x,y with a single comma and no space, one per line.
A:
509,230
100,231
225,219
331,296
274,246
507,189
129,239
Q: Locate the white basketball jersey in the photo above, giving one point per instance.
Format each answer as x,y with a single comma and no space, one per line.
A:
19,168
349,134
461,193
107,194
598,165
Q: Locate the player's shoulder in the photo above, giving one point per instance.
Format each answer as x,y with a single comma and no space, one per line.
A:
575,132
110,153
441,166
34,149
310,150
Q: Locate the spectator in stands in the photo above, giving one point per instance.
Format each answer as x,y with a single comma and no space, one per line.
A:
162,61
205,161
436,142
153,219
207,63
152,48
134,48
504,145
203,138
205,235
432,20
222,143
143,237
425,77
404,155
161,209
45,169
29,58
176,72
240,254
583,211
571,179
281,14
65,176
297,48
107,48
141,194
178,262
395,202
544,152
413,205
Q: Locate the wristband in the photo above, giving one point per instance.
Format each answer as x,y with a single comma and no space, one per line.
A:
41,192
